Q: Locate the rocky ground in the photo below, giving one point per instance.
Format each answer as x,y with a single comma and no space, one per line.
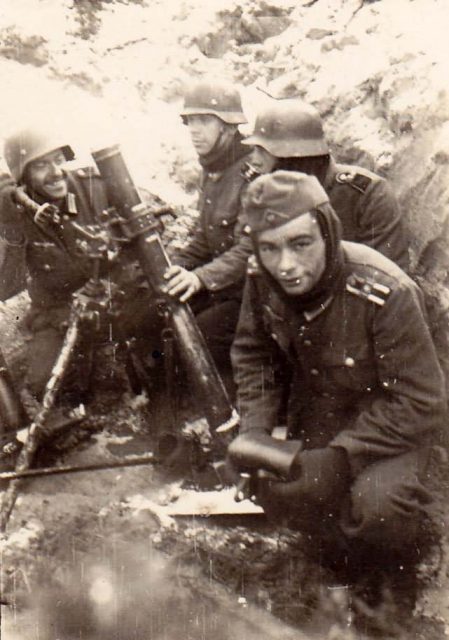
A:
91,556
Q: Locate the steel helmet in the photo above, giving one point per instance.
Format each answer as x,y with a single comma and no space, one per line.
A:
24,146
289,128
214,97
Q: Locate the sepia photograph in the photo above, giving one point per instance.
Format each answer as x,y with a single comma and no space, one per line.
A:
224,320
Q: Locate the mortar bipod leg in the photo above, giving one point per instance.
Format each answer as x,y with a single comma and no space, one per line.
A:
37,427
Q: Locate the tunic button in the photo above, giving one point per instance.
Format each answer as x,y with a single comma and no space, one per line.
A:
307,343
47,267
208,201
274,336
314,372
349,362
224,223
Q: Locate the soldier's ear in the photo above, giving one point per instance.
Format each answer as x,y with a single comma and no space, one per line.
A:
229,127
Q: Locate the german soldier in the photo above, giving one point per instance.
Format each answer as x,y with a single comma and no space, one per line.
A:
210,270
288,135
56,269
366,396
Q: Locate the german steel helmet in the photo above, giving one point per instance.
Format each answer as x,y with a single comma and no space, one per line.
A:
214,97
24,146
289,128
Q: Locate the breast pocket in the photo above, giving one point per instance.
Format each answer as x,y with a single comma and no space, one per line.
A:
44,256
353,368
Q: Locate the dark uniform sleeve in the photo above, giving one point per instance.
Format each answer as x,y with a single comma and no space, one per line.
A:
219,249
195,252
12,241
228,268
380,223
413,402
256,360
216,272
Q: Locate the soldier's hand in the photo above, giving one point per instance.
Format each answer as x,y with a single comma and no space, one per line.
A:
10,211
323,478
181,283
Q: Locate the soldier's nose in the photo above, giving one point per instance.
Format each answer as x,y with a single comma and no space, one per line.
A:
286,263
56,170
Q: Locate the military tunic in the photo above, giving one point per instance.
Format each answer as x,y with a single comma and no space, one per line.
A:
368,210
218,254
219,250
56,268
366,375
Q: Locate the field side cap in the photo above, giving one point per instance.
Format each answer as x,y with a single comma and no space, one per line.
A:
289,128
218,98
276,198
24,146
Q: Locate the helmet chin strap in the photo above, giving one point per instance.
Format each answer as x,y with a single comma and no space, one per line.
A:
224,139
226,133
36,195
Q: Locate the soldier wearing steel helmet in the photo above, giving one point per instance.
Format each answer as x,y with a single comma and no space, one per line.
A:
209,271
366,399
288,135
37,161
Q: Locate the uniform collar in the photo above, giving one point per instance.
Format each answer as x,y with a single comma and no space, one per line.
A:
281,309
314,313
70,204
67,205
331,172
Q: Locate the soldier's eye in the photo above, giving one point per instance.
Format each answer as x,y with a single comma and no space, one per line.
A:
40,165
267,248
300,244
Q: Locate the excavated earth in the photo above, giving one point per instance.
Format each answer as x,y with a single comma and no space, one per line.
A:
97,555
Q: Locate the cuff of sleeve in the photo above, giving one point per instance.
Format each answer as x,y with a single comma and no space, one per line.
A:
207,282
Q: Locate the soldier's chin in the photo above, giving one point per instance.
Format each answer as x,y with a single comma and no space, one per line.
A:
55,192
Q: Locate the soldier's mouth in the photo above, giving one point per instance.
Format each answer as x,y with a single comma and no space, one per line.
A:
56,184
290,282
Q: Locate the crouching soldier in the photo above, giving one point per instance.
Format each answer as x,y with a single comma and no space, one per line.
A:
56,268
366,397
209,271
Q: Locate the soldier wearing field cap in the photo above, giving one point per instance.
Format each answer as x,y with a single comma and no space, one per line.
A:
288,135
366,396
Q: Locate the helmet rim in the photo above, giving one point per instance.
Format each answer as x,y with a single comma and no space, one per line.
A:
26,146
288,148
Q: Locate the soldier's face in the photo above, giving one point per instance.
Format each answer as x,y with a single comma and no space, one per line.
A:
294,254
204,131
46,175
262,160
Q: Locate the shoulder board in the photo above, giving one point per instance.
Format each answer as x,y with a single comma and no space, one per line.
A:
357,181
252,268
368,289
87,172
